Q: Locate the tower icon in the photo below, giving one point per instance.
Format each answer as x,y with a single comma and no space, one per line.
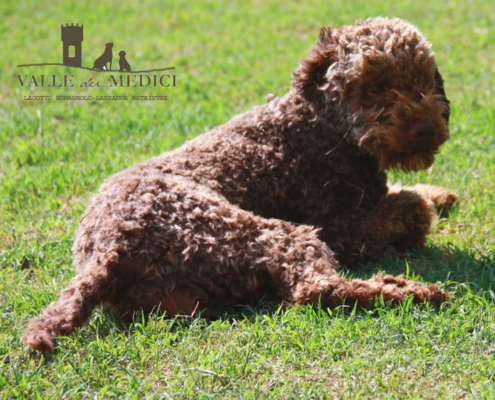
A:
72,37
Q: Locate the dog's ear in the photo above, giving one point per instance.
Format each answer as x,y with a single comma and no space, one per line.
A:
439,89
310,77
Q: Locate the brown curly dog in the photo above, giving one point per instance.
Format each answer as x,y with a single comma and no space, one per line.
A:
272,201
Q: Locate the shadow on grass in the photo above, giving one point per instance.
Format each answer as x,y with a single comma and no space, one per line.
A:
445,264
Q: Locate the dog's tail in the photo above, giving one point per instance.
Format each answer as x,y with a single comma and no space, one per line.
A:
74,307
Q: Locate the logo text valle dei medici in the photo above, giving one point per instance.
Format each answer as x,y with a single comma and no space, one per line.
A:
72,38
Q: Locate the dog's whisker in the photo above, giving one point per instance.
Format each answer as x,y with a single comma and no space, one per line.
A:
378,115
338,144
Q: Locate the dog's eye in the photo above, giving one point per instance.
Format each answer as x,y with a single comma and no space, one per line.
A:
377,88
416,80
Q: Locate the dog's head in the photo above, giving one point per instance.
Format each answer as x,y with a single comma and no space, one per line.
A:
109,45
382,78
122,53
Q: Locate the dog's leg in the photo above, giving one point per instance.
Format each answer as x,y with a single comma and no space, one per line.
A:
304,270
442,198
401,220
335,290
302,267
76,302
404,217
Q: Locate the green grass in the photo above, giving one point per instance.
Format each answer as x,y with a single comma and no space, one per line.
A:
228,57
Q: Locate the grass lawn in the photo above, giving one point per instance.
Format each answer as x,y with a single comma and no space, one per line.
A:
228,56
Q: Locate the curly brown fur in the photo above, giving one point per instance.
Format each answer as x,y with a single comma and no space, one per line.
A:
272,201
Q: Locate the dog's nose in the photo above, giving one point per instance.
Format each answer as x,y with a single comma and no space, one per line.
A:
424,131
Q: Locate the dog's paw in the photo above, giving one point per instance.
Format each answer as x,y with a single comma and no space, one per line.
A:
443,199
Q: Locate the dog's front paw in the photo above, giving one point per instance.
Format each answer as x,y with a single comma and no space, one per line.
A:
443,199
